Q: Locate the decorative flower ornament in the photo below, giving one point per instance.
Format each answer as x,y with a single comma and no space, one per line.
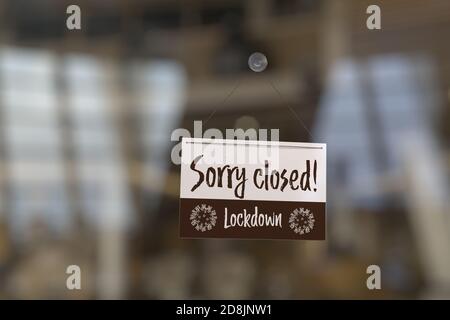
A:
301,221
203,217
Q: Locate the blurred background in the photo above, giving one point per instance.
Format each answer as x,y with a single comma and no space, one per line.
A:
86,118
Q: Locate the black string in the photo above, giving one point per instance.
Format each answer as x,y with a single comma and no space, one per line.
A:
291,109
223,101
279,95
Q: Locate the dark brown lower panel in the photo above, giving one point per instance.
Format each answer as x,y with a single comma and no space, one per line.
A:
244,219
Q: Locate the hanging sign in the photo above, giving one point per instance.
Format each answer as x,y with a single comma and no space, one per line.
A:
252,189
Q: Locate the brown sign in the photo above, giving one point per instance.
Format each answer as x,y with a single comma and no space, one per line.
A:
275,195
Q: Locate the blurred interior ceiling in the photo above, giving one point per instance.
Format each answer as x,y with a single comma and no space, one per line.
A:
294,34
